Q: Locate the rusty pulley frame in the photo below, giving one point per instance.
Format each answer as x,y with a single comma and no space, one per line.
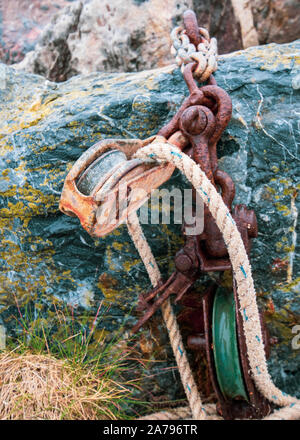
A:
196,129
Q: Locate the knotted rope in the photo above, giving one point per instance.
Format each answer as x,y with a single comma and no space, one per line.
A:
166,152
205,55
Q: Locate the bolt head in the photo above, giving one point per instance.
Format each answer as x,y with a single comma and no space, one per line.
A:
183,262
193,120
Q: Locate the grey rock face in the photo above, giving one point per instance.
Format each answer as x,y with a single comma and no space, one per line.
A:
105,36
52,55
21,24
95,35
277,21
47,258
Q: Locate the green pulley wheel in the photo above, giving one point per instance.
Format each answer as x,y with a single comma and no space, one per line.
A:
225,346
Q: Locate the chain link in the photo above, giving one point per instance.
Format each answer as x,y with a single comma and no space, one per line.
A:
205,55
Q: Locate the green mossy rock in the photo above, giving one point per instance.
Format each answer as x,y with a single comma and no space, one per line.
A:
47,259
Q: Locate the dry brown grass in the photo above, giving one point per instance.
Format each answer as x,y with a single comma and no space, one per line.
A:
42,387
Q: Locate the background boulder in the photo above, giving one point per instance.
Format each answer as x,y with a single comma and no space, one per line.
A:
66,38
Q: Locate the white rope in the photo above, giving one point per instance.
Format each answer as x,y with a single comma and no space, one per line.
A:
186,374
